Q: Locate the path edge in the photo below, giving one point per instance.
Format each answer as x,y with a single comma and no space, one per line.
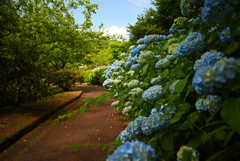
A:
15,137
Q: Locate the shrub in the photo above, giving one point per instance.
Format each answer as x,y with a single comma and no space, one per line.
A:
64,78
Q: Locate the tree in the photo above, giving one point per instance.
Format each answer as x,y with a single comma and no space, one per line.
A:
115,49
155,21
32,29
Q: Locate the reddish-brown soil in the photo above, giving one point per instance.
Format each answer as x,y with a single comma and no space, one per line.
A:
96,126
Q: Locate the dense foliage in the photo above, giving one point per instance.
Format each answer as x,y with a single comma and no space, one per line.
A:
155,20
37,36
65,78
94,76
180,91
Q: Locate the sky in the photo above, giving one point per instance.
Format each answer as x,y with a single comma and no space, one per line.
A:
116,15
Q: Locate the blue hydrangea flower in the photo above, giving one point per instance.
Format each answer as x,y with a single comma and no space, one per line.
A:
132,130
135,91
215,10
195,153
128,103
211,104
135,67
134,151
123,55
172,31
192,43
133,83
208,59
156,121
135,51
203,80
153,93
224,68
156,80
132,47
115,104
225,35
142,46
128,64
126,110
158,56
161,62
207,77
107,82
154,110
140,41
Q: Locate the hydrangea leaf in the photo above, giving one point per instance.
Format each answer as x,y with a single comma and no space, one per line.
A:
167,142
187,155
230,113
181,84
145,68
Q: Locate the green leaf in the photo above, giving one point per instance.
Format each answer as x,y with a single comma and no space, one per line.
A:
175,99
167,142
112,94
105,145
191,119
213,123
227,153
69,115
108,152
230,113
73,147
63,147
220,135
145,68
234,27
87,101
195,141
205,137
229,137
181,84
176,61
56,120
176,116
104,97
164,73
82,109
62,117
231,48
96,101
187,155
122,99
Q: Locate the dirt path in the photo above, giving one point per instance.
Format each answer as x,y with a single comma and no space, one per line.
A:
95,126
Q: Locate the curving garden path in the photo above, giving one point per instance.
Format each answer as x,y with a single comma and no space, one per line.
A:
97,126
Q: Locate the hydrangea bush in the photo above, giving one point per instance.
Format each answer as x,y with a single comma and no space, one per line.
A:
181,91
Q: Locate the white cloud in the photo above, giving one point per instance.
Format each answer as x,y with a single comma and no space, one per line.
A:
115,30
140,2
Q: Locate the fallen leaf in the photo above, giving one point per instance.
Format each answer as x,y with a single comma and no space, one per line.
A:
98,138
5,151
65,127
24,141
110,126
106,121
98,130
